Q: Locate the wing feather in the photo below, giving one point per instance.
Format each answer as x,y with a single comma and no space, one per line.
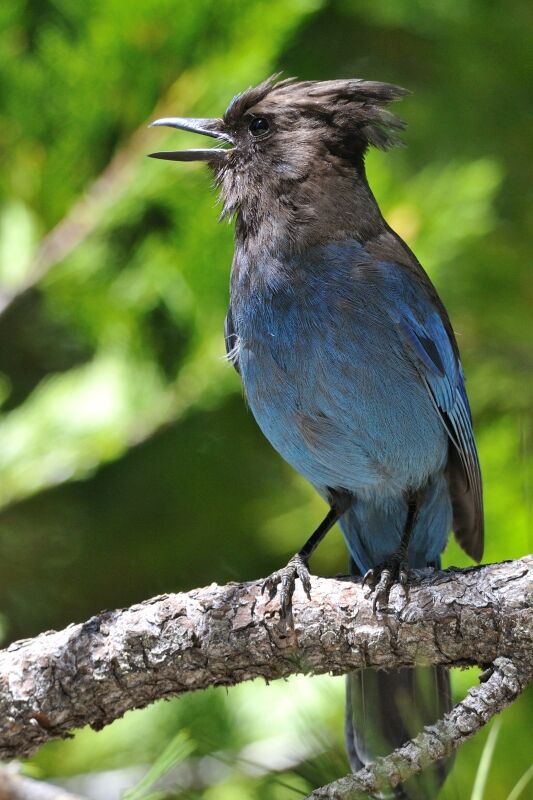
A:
442,374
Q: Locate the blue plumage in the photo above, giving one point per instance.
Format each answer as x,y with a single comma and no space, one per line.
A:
330,354
347,357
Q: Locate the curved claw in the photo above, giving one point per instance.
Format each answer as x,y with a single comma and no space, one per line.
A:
383,577
403,574
369,577
382,589
286,578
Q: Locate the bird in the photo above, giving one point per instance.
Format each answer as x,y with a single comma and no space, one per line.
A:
348,360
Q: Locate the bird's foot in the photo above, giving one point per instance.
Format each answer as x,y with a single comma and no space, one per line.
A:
382,578
286,579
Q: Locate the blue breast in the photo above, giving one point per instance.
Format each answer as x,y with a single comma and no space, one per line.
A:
327,376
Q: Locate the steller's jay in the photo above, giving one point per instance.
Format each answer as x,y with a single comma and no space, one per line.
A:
348,359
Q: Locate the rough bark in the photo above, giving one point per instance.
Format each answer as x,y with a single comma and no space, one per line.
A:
92,673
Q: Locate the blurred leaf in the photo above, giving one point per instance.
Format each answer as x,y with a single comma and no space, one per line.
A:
482,774
177,750
521,785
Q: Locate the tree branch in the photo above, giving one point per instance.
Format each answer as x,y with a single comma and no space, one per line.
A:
505,684
92,673
18,787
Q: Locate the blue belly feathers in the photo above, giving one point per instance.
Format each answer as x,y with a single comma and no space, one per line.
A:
337,390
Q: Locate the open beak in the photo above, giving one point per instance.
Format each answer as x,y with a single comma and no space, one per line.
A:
208,127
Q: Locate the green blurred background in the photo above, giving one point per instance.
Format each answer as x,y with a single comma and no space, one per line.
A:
129,465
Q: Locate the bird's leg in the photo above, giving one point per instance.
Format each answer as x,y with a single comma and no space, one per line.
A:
395,569
298,564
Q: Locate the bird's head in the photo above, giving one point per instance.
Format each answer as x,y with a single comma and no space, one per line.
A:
283,140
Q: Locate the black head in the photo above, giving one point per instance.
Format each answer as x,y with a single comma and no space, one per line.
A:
281,135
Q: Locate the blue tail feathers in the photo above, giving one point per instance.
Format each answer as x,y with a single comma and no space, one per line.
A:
385,709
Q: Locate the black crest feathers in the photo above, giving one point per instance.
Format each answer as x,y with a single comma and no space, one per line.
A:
354,106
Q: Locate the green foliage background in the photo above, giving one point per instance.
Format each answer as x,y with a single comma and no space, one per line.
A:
129,465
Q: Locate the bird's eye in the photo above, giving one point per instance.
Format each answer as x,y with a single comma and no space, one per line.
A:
258,126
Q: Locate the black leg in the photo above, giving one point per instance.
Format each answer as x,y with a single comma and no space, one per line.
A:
396,567
413,506
314,540
298,565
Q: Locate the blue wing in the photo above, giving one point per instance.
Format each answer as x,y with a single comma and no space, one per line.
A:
430,349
